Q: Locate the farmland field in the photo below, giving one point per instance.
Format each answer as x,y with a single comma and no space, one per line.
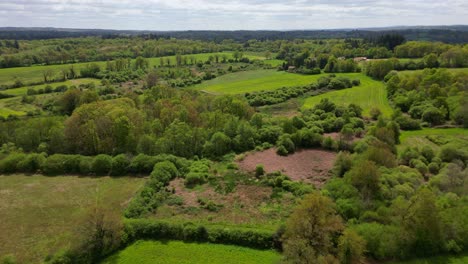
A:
369,94
23,90
175,252
254,81
35,73
38,214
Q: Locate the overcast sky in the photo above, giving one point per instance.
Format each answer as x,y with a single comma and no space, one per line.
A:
230,15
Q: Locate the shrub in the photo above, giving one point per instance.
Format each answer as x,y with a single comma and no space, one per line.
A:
10,163
195,178
282,151
102,164
86,165
259,170
433,168
54,165
120,165
329,143
31,163
451,152
142,164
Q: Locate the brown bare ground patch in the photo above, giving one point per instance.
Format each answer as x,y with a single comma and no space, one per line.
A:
310,165
241,206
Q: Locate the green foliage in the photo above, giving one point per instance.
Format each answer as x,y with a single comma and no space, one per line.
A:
120,164
259,170
150,229
310,230
102,164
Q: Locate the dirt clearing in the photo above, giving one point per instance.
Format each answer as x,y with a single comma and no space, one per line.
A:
311,165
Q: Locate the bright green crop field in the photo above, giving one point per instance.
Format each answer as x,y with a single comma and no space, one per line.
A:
177,252
23,90
254,81
31,74
369,94
39,214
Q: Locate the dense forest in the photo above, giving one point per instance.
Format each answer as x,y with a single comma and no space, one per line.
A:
185,112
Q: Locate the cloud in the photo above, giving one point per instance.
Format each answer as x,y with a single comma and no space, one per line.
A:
236,14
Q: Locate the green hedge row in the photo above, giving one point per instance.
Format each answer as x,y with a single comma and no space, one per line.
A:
57,164
150,229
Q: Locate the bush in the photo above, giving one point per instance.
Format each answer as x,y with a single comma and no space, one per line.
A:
10,163
259,170
31,163
55,165
195,178
120,165
142,164
86,165
282,151
102,164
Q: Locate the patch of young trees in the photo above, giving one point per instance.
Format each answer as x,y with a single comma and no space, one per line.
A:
431,96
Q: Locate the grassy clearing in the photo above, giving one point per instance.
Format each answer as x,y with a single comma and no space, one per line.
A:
35,73
369,94
253,81
14,106
423,137
191,253
23,90
436,260
38,214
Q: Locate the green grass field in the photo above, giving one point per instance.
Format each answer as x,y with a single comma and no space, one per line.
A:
14,106
23,90
253,81
419,138
369,94
38,214
176,252
35,73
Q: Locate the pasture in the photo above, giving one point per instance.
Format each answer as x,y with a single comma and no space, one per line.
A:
34,74
38,214
176,252
254,81
76,82
369,94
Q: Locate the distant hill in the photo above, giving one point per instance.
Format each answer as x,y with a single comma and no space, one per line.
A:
448,34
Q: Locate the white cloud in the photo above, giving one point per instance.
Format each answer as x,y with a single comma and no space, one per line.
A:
236,14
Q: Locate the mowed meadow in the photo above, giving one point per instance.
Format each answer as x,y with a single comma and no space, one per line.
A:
39,214
178,252
369,94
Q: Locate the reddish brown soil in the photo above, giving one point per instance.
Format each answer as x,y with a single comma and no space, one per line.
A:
311,165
